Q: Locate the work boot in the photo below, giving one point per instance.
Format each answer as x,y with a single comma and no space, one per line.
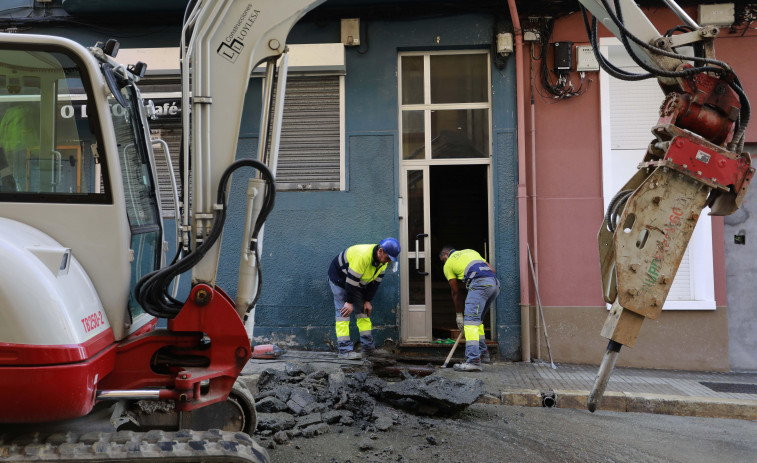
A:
486,358
351,355
467,366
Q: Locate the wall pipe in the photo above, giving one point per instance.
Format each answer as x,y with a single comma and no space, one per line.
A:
534,218
525,300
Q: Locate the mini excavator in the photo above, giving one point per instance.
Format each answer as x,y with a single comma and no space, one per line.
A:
84,278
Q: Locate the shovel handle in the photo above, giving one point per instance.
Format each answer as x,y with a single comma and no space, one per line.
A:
459,336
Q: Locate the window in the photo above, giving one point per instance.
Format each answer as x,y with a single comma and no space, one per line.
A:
445,107
139,189
311,155
629,110
47,149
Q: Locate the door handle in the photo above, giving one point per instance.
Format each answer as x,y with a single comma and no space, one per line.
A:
417,258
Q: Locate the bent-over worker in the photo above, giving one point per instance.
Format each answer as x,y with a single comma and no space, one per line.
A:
354,276
483,288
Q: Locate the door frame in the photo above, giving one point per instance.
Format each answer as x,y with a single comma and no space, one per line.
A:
425,165
405,241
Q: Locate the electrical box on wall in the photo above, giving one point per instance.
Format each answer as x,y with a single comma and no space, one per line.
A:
563,56
721,14
504,43
351,31
585,59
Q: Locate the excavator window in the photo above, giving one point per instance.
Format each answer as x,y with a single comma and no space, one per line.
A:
45,137
139,185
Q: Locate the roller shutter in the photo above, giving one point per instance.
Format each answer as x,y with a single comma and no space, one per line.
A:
310,149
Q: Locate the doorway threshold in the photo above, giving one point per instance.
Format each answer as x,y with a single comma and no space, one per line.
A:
433,352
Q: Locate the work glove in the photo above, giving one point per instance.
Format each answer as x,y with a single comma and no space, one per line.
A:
459,320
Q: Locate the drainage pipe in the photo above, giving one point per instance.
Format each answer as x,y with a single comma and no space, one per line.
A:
523,222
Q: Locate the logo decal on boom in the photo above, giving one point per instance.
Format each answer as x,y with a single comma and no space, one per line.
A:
234,42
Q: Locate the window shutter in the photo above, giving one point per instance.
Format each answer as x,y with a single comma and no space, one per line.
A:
310,148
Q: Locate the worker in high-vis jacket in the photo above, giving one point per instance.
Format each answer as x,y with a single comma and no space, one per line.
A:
468,266
354,276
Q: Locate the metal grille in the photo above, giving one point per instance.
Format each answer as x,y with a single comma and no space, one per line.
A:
735,388
310,149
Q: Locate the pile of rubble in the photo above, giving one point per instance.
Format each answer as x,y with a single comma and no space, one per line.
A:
302,401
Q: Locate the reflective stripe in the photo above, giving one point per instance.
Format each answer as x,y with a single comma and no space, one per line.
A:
471,322
342,338
342,330
352,282
364,324
361,315
471,333
471,275
353,274
341,258
343,319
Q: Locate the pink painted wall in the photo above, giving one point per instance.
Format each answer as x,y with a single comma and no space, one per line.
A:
567,186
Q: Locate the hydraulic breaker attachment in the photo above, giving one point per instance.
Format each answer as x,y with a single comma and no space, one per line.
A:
695,161
648,226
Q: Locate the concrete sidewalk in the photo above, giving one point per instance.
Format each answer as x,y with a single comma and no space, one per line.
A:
683,393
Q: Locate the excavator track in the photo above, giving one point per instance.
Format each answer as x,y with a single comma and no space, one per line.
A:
183,446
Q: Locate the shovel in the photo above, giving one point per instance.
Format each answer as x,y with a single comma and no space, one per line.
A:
454,346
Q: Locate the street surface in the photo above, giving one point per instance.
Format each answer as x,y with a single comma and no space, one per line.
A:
496,433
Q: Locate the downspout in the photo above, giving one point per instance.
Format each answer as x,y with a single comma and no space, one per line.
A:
534,217
525,338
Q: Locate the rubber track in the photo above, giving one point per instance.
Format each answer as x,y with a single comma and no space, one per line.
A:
129,446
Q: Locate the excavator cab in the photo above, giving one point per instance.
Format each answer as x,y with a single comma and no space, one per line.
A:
77,188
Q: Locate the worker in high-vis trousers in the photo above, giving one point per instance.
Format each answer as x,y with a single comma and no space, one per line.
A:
354,276
468,266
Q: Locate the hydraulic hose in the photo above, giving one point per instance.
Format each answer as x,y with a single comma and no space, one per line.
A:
152,290
721,68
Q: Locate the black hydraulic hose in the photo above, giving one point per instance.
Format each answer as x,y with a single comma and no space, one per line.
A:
151,290
733,82
721,68
611,69
614,208
625,34
265,209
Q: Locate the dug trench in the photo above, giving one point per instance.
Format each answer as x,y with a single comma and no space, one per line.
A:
363,407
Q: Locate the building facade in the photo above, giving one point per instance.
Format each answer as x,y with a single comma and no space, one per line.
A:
415,119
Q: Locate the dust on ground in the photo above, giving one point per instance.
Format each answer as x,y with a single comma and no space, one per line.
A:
350,418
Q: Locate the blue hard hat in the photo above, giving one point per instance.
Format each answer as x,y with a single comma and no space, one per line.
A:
391,247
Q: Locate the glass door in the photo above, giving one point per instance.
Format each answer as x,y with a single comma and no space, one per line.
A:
414,235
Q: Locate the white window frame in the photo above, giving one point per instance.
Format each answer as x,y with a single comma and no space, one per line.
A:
701,269
427,107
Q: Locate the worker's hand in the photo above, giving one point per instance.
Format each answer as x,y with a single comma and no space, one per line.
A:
459,320
367,308
346,310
